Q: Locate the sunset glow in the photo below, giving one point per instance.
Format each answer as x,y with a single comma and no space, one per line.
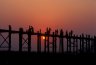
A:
53,29
43,37
78,15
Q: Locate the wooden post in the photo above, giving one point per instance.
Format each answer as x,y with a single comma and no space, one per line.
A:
62,46
10,38
45,43
39,42
48,44
95,44
86,50
91,44
53,43
20,39
48,33
76,44
29,40
70,43
67,38
61,42
89,49
83,43
38,50
80,44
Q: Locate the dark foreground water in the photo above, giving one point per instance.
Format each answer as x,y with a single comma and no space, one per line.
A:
46,58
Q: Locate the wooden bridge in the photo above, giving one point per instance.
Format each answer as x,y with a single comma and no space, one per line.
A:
68,41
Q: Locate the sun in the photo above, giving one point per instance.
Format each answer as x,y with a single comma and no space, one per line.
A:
43,37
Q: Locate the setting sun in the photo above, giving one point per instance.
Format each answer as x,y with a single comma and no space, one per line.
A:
43,37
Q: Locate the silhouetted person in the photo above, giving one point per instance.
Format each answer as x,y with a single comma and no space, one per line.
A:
32,29
71,33
61,32
48,30
66,33
56,32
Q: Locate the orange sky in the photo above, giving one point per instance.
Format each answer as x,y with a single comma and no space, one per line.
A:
79,15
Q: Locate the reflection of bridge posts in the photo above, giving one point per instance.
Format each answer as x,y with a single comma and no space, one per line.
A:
10,37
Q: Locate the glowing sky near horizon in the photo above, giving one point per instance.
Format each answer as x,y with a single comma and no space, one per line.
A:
78,15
